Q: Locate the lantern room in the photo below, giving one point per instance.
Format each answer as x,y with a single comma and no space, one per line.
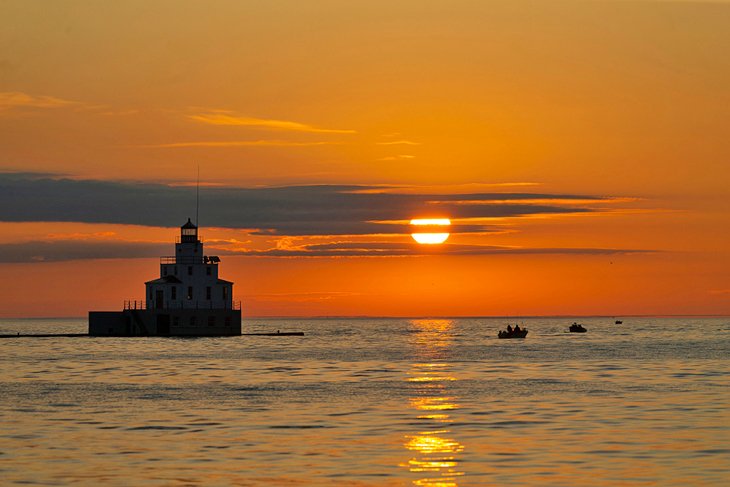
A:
189,233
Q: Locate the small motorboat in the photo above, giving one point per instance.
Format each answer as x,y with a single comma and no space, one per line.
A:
521,333
577,328
618,322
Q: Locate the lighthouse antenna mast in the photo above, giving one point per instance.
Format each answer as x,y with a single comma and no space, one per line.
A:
197,200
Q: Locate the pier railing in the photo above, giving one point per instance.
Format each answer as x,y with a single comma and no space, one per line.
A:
188,260
178,239
185,304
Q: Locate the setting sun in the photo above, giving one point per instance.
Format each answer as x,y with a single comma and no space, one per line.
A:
430,238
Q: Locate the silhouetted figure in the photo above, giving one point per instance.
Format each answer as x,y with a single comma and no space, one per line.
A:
517,328
509,328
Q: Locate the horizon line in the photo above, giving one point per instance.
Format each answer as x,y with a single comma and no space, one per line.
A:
419,317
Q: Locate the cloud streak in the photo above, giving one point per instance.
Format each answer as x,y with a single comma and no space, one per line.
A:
227,118
398,249
302,297
18,99
401,157
238,143
74,249
398,142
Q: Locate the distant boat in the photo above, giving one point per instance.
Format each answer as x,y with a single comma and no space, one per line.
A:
577,328
618,322
522,333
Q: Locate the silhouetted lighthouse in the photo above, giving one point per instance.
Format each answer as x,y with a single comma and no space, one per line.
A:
188,299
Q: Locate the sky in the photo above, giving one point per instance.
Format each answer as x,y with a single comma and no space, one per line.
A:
581,150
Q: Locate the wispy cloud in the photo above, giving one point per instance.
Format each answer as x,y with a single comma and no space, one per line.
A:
522,183
398,249
82,236
398,142
537,201
302,297
400,157
238,143
228,118
440,189
72,249
18,99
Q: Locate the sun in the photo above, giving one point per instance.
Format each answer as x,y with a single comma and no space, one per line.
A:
430,237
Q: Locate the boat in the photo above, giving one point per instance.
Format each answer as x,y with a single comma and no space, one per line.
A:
522,333
577,328
618,322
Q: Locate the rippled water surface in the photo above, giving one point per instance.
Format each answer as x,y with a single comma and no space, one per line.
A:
370,403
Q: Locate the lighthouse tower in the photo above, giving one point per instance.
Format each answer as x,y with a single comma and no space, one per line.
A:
189,279
188,299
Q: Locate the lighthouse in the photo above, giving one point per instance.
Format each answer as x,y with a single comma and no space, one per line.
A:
188,299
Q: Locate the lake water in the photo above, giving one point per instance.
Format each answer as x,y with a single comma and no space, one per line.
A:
390,402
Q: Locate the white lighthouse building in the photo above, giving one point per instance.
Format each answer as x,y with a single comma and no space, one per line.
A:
188,299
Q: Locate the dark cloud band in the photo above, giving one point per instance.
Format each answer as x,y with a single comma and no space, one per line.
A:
290,210
65,250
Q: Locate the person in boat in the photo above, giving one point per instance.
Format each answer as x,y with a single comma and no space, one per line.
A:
509,328
517,329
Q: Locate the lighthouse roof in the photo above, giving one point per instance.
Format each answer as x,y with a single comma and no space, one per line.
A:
189,224
165,280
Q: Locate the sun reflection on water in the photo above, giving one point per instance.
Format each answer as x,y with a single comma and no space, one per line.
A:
433,404
436,451
430,442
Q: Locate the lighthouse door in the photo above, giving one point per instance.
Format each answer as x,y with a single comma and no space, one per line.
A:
159,299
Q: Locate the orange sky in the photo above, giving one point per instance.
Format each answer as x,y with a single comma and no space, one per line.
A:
622,103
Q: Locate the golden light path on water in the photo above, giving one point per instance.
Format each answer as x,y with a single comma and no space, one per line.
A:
435,452
430,238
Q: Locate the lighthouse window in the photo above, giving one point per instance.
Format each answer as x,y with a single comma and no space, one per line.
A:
190,292
190,270
174,293
207,270
207,293
225,292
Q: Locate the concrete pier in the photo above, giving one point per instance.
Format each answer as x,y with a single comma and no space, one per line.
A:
44,335
277,334
74,335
